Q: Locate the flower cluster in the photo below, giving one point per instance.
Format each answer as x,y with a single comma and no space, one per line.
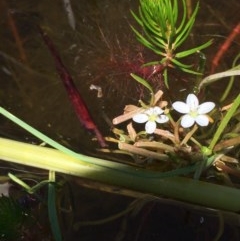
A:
192,110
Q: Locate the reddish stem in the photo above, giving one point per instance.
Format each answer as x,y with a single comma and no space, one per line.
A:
77,101
225,47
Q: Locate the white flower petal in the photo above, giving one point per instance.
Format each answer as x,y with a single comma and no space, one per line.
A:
202,120
162,119
140,118
181,107
187,121
157,110
149,111
205,107
192,102
150,127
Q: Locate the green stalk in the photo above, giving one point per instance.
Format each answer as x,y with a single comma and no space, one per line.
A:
52,209
230,84
180,188
224,122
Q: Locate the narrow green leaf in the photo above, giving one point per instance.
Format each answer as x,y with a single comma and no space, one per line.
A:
187,28
152,63
136,18
224,122
165,76
169,13
143,82
52,212
19,182
148,23
180,65
175,12
36,133
143,40
191,71
179,29
214,77
193,50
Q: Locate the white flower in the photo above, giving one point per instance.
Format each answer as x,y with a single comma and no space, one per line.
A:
151,116
193,111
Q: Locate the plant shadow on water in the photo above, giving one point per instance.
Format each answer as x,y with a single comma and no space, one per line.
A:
101,52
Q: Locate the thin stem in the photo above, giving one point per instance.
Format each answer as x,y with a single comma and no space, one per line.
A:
176,131
230,84
142,152
189,135
214,77
224,122
52,209
35,132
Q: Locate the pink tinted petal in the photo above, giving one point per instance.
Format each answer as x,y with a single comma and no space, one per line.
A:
150,127
192,101
162,119
205,107
181,107
187,121
202,120
140,118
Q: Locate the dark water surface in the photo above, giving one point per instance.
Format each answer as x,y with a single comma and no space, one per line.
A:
102,50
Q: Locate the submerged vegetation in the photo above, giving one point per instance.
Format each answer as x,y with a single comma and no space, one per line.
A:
167,141
186,143
165,30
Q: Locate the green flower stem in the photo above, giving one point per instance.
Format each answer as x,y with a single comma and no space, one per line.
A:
185,189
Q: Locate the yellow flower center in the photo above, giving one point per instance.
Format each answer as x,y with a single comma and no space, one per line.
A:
193,113
152,117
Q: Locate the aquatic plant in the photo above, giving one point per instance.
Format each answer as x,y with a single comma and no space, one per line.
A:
181,148
180,141
164,31
160,156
